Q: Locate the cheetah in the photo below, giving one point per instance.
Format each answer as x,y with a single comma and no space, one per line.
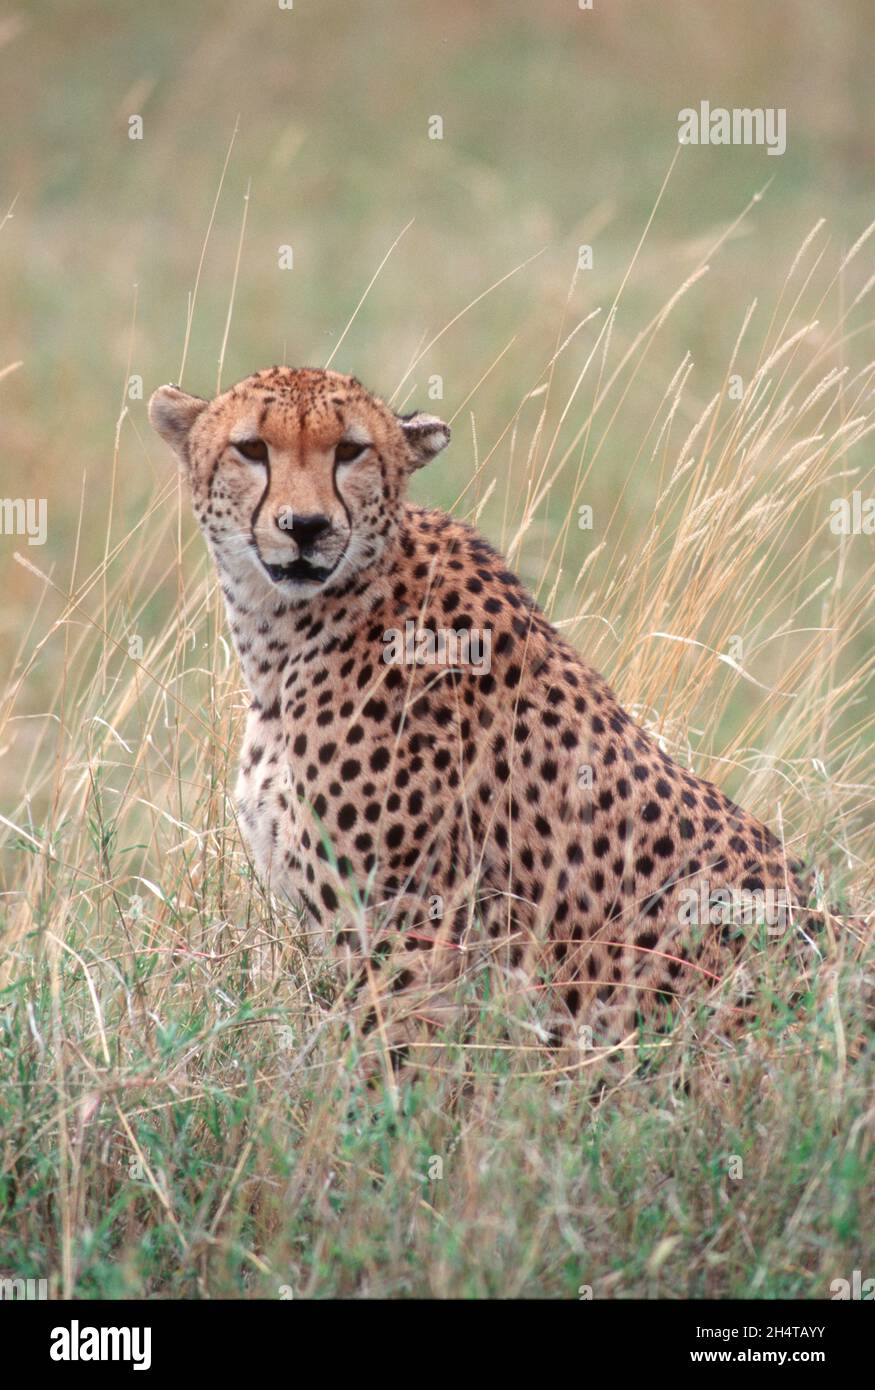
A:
431,818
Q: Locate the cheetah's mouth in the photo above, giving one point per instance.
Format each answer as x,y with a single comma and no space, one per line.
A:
299,571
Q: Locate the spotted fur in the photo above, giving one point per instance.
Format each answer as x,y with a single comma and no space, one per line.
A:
431,820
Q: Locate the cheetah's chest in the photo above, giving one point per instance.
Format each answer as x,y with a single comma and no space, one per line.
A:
344,783
265,804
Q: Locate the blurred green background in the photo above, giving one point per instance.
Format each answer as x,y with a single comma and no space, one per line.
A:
559,127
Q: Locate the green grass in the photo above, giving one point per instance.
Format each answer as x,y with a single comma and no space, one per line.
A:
214,1153
181,1110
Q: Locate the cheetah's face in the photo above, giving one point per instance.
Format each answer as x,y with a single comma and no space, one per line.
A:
297,476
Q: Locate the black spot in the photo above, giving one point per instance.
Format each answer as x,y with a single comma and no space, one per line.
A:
380,759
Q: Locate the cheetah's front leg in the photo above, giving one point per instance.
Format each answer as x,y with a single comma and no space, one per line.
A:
402,990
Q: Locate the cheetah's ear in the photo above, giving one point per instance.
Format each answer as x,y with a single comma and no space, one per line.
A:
172,413
426,435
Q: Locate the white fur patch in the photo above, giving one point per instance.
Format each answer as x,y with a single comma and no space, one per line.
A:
356,434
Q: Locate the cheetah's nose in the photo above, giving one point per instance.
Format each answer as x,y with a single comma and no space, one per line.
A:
303,529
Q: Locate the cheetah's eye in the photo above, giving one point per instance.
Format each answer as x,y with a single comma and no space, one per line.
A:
348,449
255,450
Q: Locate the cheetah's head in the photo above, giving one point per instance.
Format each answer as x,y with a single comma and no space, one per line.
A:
297,476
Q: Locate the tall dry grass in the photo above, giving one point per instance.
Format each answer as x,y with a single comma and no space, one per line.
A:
182,1112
